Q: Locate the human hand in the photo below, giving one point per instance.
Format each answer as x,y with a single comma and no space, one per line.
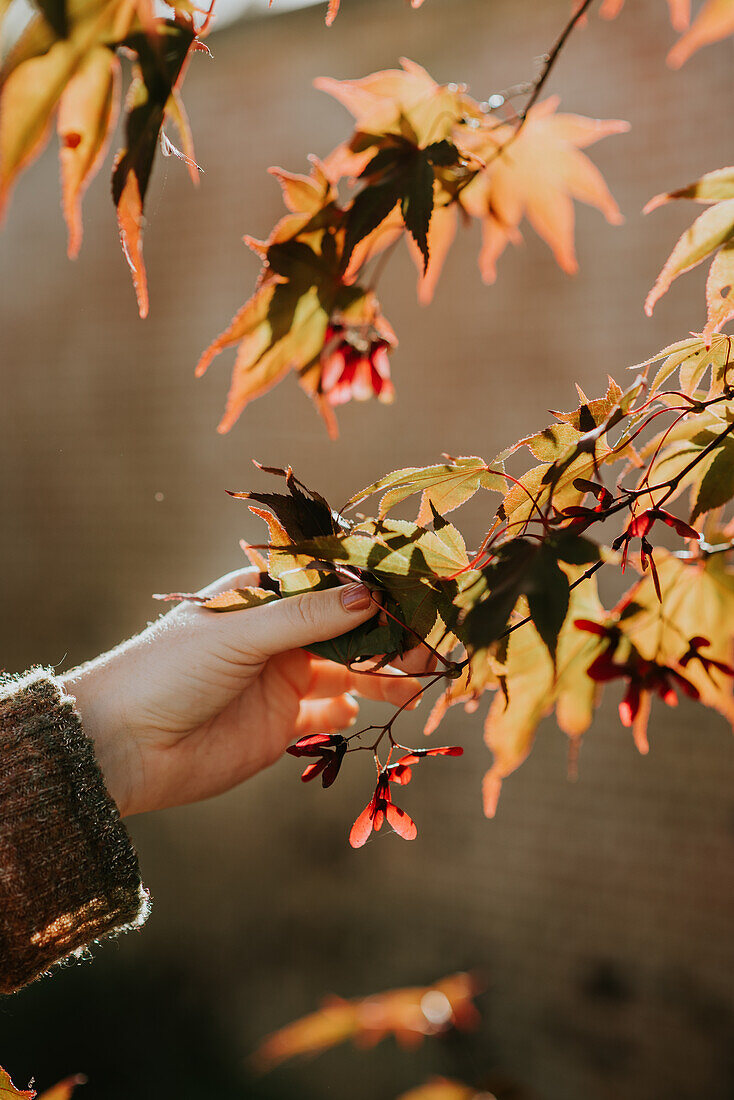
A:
200,701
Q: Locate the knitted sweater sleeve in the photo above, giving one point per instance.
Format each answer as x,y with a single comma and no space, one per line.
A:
68,872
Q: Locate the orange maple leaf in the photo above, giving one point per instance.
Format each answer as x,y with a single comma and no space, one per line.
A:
334,5
714,22
537,174
408,1014
712,234
680,11
303,316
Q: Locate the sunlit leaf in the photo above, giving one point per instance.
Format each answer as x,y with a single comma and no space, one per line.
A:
393,548
698,600
720,290
537,175
408,1014
717,484
157,71
441,1088
239,599
87,115
714,22
304,316
32,82
534,688
709,231
519,568
334,5
693,358
680,11
713,187
444,486
64,1089
8,1091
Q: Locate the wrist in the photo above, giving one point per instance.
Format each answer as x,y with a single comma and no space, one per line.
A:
103,723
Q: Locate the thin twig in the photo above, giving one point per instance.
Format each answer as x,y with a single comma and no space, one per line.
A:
550,61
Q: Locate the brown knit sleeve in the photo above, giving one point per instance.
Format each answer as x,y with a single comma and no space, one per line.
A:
68,872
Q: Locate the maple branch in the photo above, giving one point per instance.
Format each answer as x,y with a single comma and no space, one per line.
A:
550,60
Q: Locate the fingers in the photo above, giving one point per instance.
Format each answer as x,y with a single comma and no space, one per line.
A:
326,715
299,621
388,686
415,661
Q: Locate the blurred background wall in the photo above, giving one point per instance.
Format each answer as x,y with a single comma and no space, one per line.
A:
600,913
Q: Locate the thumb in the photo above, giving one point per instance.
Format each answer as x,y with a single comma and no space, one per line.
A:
299,621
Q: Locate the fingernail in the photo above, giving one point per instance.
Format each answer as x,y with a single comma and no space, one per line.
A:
356,597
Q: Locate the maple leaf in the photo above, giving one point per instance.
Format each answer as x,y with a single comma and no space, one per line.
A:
680,11
157,72
443,487
64,64
303,315
693,358
33,78
410,136
61,1091
384,102
416,572
536,172
569,451
88,110
301,512
400,173
409,1014
441,1088
533,686
521,567
420,572
712,233
696,454
334,5
410,568
714,22
697,603
8,1091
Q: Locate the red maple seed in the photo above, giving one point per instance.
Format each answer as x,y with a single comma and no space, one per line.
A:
639,527
381,808
355,365
580,516
402,772
329,749
644,679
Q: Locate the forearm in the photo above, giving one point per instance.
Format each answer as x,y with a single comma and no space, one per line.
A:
68,872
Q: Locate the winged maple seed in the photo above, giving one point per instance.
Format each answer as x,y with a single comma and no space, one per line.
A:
410,1015
381,807
65,65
